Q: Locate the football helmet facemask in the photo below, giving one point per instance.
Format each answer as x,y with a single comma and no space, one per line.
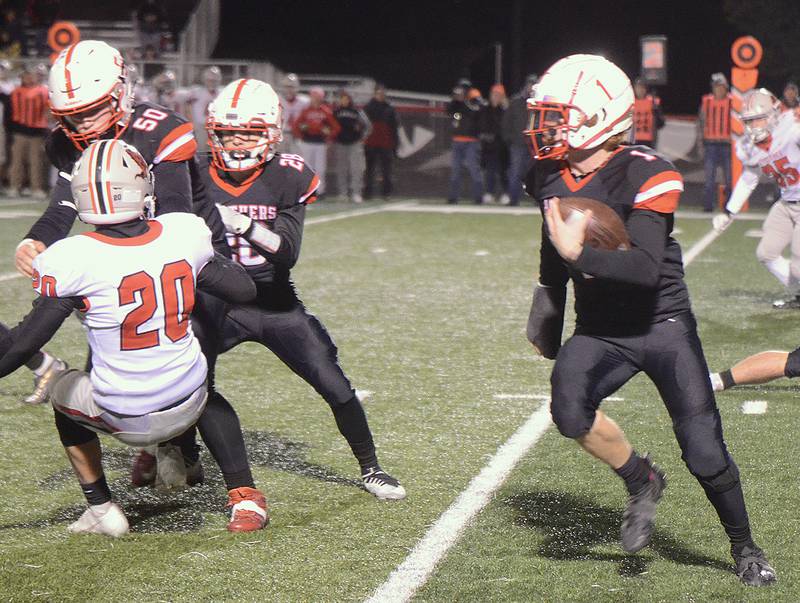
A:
244,107
579,103
112,183
760,111
86,78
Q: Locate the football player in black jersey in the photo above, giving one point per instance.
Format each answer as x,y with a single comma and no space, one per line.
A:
91,97
262,198
632,306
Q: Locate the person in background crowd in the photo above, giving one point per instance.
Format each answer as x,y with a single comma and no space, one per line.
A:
647,116
316,127
29,115
714,129
380,146
151,24
197,101
515,121
151,67
293,105
167,94
7,84
790,99
465,109
348,151
494,150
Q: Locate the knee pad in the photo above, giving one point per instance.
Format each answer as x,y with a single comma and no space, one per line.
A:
71,433
721,482
792,368
572,420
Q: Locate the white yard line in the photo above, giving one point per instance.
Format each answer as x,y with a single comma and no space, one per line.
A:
7,276
700,246
354,213
404,581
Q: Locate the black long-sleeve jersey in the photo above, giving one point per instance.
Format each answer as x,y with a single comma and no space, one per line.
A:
167,143
618,292
275,197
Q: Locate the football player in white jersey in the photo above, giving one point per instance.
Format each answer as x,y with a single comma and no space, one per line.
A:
133,282
771,146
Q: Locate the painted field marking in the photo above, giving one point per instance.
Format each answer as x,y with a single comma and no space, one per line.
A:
754,407
404,581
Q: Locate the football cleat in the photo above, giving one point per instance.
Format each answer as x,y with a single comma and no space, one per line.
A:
170,468
752,566
107,519
194,474
41,384
792,303
249,510
382,485
638,520
143,472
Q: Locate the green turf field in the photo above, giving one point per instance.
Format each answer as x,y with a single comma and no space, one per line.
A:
429,312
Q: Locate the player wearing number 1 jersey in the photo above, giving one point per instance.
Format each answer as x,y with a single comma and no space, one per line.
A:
133,281
262,198
771,147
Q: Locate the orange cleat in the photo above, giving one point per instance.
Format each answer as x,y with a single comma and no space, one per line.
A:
249,511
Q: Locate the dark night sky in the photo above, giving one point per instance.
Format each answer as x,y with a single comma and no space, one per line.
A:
427,46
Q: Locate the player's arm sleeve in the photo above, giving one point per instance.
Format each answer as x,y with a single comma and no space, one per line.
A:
35,330
281,244
641,265
173,187
203,207
745,186
546,316
57,220
227,280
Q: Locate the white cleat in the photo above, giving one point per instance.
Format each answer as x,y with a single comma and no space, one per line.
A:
170,468
41,384
382,485
107,519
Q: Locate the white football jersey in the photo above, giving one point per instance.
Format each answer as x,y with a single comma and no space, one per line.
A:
137,295
291,110
779,159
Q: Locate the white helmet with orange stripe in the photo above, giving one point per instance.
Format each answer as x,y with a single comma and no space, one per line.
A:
90,92
244,125
112,183
760,111
579,103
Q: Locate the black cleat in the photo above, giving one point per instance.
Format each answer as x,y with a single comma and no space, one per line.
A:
752,566
640,513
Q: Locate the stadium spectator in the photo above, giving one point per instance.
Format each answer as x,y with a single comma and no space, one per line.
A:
647,116
316,127
151,67
790,99
29,115
150,21
197,101
7,84
515,121
348,151
714,129
464,110
380,147
166,92
12,34
293,105
494,150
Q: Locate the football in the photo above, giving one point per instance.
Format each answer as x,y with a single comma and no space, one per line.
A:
605,229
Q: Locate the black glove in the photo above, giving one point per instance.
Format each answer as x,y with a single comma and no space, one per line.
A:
546,320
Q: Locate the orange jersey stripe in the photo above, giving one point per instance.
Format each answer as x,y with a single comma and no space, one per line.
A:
660,178
174,135
665,203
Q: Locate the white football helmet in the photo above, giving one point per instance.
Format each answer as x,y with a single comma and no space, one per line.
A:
85,76
757,105
249,107
579,103
112,183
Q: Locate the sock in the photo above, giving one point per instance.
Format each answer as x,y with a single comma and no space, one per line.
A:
352,423
732,513
97,492
635,472
220,429
727,379
39,363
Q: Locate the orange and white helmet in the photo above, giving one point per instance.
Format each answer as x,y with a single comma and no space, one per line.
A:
759,104
85,76
112,183
246,106
579,103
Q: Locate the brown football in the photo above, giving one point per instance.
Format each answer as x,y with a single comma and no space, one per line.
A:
605,229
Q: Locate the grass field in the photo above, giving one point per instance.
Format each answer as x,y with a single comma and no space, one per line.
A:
429,312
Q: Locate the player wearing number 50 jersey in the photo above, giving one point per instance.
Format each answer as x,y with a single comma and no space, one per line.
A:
262,198
133,281
771,147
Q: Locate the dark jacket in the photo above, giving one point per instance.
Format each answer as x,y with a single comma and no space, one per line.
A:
515,120
465,119
383,118
354,124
